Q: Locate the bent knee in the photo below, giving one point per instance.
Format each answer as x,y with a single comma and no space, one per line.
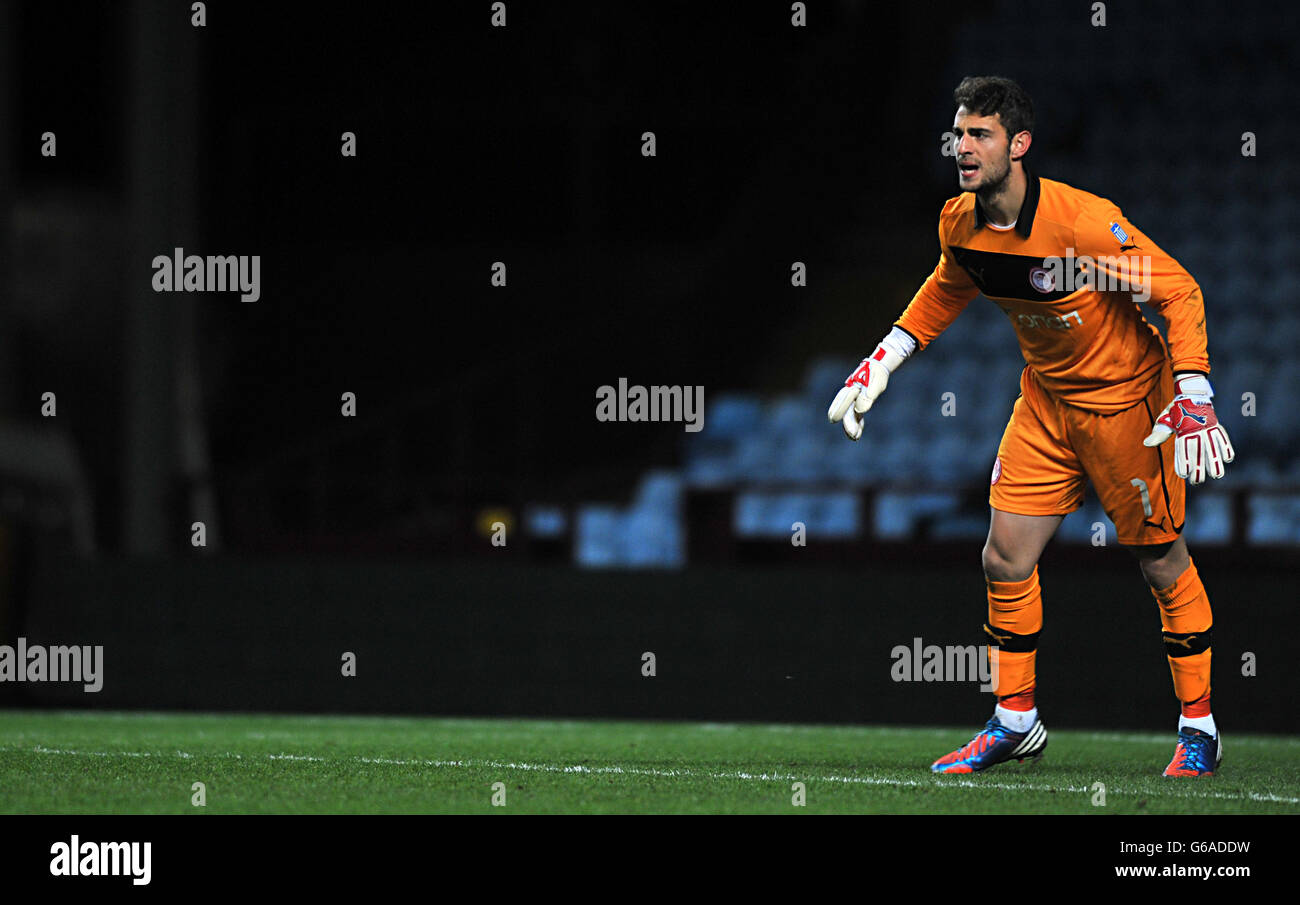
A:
1162,564
1162,573
999,566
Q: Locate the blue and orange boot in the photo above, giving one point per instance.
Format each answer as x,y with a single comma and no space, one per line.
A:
1198,754
994,744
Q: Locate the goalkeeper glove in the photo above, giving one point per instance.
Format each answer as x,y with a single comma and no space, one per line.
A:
1201,444
866,384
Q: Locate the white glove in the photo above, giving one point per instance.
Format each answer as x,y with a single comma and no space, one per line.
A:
1201,446
862,388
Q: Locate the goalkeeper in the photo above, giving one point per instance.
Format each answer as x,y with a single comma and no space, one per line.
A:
1103,398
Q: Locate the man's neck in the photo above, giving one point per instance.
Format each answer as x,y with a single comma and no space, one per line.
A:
1002,208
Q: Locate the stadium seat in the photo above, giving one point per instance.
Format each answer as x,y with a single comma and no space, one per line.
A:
1274,519
1209,518
896,514
732,416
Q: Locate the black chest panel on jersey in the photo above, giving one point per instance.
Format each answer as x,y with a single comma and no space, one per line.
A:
1007,276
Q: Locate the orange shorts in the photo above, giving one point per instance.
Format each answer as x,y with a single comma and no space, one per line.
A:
1050,449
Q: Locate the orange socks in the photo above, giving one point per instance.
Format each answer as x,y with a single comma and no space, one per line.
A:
1015,619
1188,626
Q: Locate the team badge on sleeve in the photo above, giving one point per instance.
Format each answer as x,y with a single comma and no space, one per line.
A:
1118,232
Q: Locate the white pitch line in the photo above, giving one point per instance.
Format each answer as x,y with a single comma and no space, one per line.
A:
936,783
523,723
856,780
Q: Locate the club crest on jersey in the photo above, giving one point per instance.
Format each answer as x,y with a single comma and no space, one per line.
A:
1042,279
1118,232
997,470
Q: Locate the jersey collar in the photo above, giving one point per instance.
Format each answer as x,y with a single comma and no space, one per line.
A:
1028,207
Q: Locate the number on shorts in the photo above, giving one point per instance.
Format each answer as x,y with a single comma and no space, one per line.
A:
1141,485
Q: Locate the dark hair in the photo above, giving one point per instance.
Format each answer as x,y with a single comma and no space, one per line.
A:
986,95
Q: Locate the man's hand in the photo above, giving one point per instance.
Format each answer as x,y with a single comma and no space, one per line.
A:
861,390
1201,444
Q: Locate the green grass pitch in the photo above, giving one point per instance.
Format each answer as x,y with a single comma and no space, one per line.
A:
100,762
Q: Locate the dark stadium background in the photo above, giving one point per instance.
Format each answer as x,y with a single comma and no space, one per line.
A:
476,403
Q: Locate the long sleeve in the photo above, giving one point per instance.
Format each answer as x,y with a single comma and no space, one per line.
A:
1103,232
945,294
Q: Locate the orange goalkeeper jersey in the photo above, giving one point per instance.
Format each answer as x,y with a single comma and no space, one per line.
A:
1067,276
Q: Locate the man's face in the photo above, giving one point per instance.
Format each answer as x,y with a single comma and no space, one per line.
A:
983,151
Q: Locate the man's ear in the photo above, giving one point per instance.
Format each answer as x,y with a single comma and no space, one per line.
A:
1020,143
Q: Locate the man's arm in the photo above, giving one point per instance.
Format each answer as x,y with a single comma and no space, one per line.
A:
945,294
1201,444
1103,231
935,305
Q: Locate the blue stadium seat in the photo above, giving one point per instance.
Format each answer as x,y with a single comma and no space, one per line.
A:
898,457
847,463
1209,518
653,540
792,416
826,375
897,514
648,534
660,491
1249,470
598,536
1274,519
826,515
961,528
545,521
711,471
758,459
731,415
948,460
802,457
